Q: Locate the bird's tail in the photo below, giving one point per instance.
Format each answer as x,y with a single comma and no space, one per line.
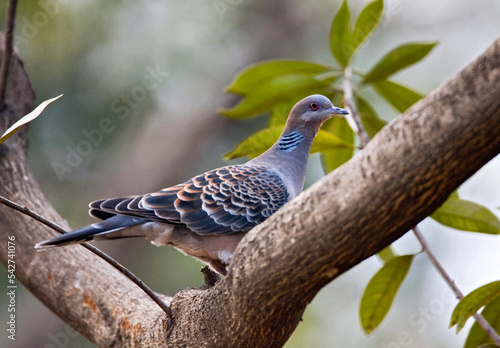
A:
111,228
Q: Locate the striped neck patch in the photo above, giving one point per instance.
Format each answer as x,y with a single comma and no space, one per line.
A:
290,141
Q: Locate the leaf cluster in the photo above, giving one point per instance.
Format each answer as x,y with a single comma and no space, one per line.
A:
273,87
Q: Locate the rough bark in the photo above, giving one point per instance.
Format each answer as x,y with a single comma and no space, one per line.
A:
401,177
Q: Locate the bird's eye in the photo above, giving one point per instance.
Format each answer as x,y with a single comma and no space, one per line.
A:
313,106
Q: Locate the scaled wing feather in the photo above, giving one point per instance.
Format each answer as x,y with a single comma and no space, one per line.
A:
225,200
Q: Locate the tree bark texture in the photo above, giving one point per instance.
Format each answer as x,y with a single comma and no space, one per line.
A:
401,177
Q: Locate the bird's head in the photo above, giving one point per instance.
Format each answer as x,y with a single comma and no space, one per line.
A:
312,111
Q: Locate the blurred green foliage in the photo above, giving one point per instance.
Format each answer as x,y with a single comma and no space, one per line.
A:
274,86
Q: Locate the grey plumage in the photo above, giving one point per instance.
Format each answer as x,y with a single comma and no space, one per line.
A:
207,216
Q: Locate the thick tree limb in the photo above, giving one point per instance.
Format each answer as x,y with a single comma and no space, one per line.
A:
401,176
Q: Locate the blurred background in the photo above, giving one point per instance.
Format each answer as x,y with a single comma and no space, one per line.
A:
142,81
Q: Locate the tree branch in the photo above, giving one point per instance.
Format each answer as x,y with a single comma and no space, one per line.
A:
7,49
357,126
412,165
353,118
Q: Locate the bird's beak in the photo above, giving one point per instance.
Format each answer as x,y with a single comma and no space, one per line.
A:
338,111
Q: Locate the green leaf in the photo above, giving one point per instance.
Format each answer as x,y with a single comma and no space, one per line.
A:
477,336
397,59
366,22
369,117
260,141
397,95
332,159
326,141
471,303
277,91
279,114
254,76
387,253
466,216
329,77
340,36
26,119
381,290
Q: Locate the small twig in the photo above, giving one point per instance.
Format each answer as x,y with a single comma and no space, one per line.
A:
32,214
7,51
353,118
97,252
432,257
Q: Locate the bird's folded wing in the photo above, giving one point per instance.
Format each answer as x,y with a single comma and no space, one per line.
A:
225,200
